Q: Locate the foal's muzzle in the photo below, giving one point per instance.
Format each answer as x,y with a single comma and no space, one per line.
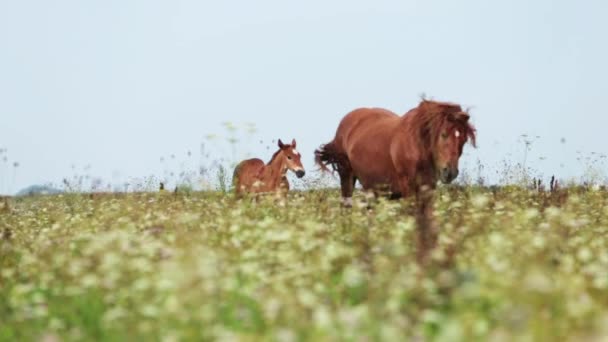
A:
300,173
448,175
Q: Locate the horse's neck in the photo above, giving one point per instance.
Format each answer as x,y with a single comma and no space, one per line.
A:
407,118
409,136
406,132
273,173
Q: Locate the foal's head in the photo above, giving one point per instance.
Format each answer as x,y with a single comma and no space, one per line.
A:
450,130
291,158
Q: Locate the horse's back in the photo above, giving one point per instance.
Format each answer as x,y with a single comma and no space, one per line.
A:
364,136
363,122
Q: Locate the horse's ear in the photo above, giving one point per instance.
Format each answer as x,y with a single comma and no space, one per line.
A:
460,117
472,135
293,143
281,145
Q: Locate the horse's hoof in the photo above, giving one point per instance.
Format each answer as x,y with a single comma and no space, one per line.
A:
347,202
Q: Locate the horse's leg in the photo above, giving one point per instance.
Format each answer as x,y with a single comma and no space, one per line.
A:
373,194
426,230
393,196
426,227
347,184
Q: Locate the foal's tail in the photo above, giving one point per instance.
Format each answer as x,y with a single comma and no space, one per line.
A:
235,176
330,155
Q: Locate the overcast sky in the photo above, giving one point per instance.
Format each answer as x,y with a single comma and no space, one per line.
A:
118,84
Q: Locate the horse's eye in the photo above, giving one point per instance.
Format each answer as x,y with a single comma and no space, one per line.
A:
444,135
289,157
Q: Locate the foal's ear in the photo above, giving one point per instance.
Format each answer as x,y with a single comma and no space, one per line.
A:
281,145
293,143
460,117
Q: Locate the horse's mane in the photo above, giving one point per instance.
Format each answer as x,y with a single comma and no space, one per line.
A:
425,122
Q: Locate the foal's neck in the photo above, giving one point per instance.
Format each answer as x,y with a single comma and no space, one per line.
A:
274,172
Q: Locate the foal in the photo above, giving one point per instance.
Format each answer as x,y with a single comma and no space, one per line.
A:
252,176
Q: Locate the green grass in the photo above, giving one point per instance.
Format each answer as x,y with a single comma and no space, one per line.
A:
511,265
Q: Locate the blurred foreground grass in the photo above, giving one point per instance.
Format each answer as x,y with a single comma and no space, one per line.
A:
512,264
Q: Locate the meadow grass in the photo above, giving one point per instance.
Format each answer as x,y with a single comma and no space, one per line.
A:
512,265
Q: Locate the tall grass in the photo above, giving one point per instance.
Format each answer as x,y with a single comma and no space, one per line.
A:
511,264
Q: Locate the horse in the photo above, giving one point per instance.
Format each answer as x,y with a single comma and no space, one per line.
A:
253,176
402,155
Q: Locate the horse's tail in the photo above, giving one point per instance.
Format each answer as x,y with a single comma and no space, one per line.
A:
329,154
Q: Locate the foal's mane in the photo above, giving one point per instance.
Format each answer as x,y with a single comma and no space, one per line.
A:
276,154
427,121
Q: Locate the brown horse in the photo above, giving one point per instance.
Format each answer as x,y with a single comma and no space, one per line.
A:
252,176
399,154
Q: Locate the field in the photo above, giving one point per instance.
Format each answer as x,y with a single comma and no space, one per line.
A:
512,265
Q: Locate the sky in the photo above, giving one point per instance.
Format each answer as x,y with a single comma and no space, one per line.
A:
108,88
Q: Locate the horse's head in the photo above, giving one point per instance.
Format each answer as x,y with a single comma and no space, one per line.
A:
292,158
453,133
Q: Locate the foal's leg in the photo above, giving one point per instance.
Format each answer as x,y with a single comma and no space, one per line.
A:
284,186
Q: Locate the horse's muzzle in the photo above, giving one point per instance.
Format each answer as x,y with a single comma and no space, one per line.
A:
448,175
300,173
